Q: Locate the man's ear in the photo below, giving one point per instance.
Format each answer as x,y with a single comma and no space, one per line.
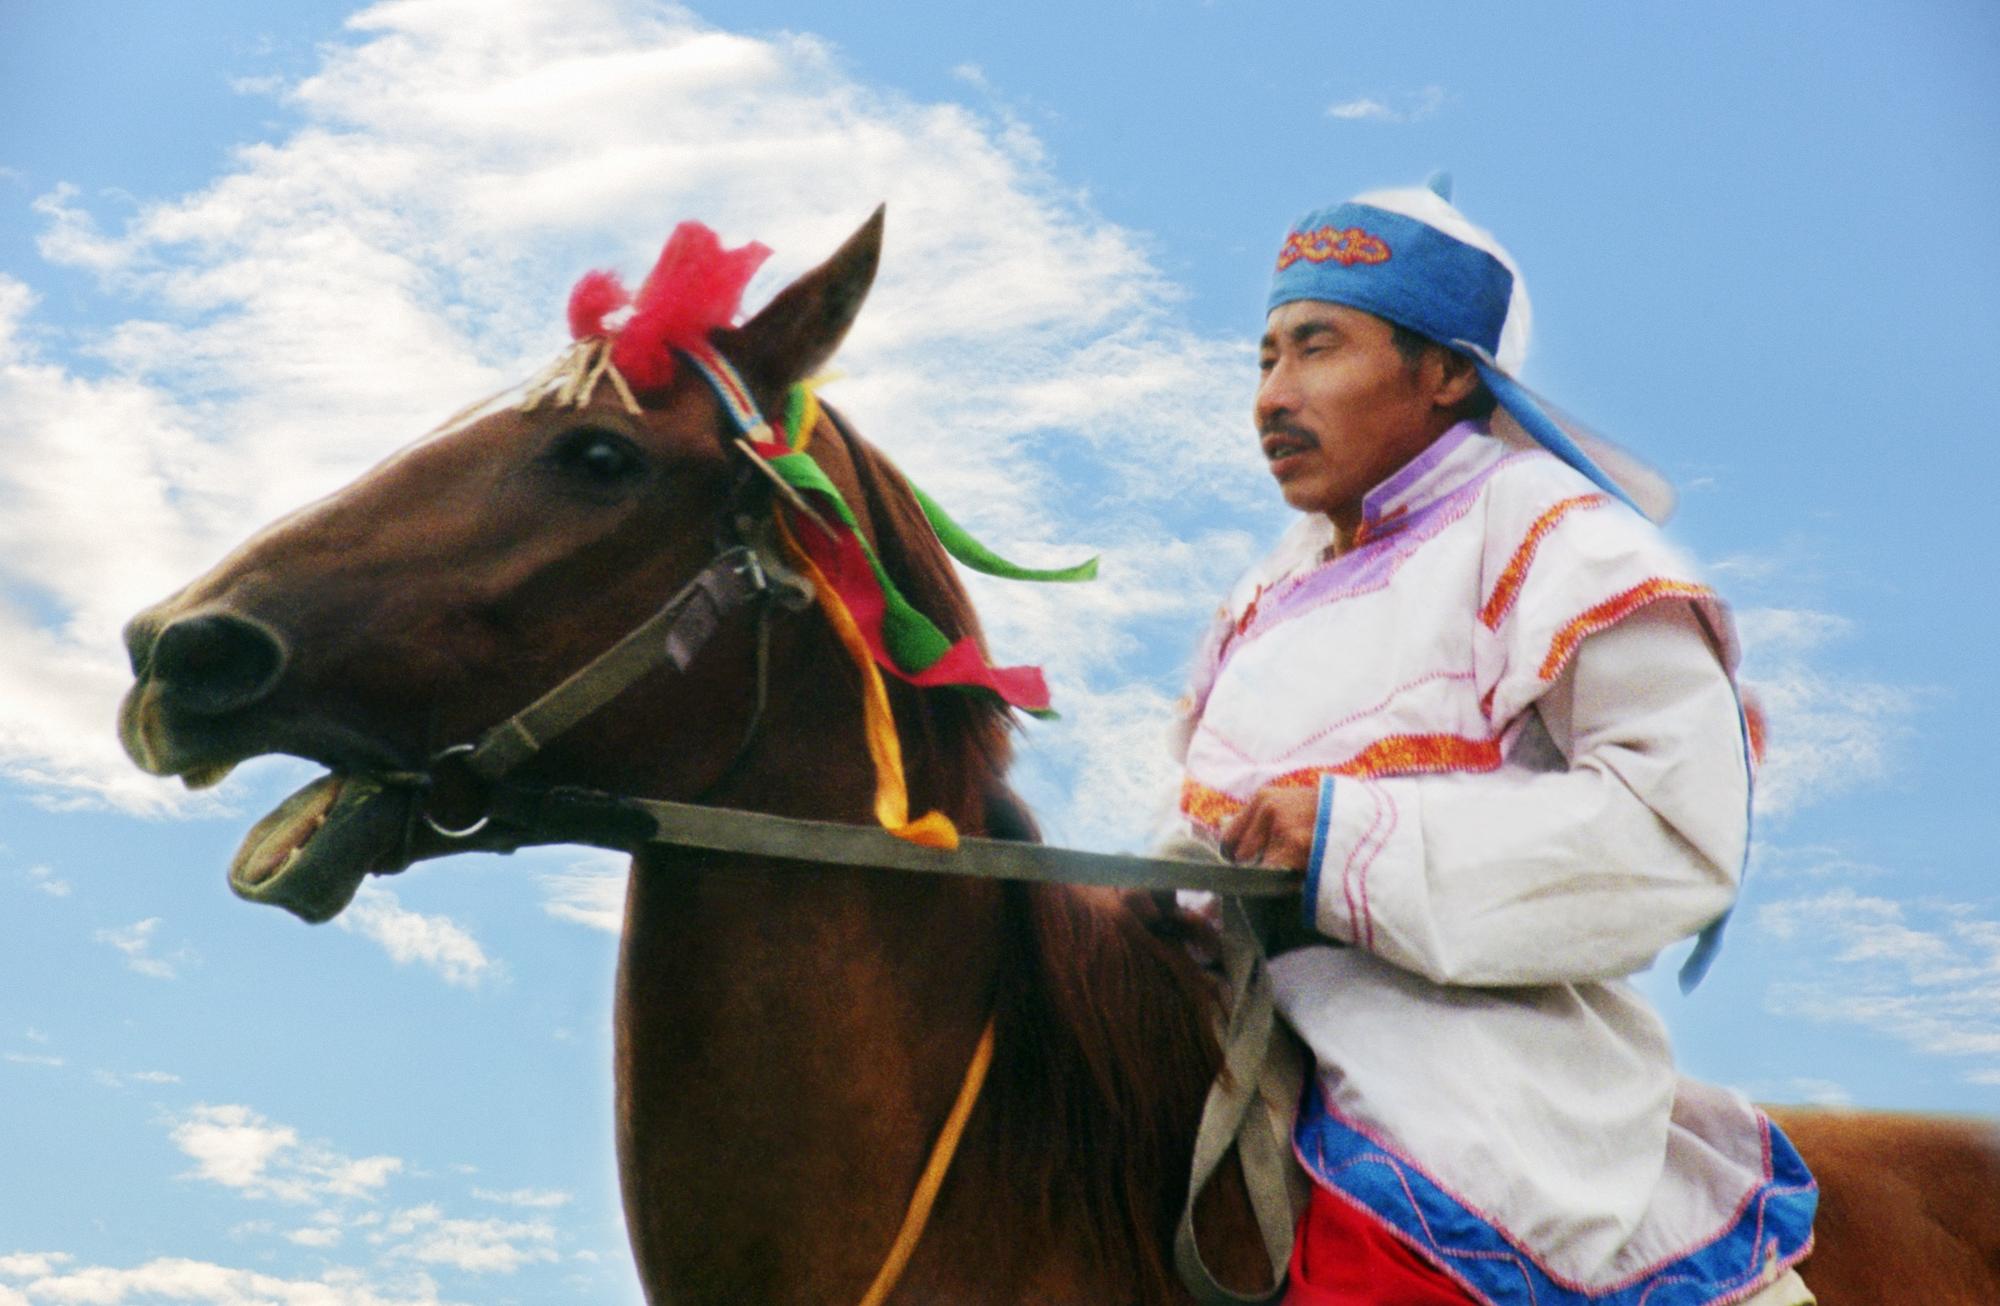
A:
1457,380
797,332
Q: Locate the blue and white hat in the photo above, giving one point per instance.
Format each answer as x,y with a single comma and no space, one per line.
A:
1407,256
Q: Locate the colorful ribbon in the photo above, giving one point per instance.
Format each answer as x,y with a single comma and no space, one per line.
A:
877,626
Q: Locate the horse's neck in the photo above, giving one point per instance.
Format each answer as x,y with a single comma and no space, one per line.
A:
788,1038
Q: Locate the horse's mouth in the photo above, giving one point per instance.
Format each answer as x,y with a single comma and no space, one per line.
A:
311,853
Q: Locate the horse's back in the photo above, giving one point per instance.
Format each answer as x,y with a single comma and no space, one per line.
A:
1909,1207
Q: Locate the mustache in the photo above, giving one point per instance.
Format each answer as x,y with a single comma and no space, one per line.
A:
1279,426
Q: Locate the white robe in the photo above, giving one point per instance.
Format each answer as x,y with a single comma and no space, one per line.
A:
1518,705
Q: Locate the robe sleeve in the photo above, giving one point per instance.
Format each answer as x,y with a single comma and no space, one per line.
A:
1632,840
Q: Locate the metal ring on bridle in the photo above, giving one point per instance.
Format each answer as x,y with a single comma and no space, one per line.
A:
466,832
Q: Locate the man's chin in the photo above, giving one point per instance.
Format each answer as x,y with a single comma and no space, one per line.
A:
1306,493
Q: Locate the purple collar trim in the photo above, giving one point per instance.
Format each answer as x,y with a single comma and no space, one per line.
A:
1385,497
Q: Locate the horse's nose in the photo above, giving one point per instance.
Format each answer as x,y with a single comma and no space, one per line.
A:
141,633
209,662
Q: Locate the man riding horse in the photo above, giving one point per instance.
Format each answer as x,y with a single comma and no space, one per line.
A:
1479,700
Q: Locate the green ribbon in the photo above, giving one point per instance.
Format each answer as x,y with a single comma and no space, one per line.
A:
913,640
960,544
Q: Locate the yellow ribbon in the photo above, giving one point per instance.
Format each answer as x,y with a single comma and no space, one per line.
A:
885,749
919,1212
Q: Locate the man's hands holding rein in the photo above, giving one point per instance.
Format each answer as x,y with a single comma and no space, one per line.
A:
1274,829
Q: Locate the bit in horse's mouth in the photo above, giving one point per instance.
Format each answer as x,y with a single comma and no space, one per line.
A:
310,854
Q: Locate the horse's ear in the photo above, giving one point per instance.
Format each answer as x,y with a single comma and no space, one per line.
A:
798,331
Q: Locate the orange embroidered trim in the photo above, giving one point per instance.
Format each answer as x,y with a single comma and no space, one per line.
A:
1331,244
1508,587
1396,755
1610,613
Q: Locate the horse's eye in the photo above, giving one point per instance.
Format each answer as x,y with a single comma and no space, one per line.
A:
603,458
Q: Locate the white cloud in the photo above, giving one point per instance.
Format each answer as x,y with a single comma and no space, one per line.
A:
410,246
1779,631
27,1265
1407,108
35,1059
425,1234
1808,861
434,941
1362,110
1827,732
112,1079
324,1231
1820,1092
178,1279
537,1198
237,1148
41,877
135,941
1926,974
589,892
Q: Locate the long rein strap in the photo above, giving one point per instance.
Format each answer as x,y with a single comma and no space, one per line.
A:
563,814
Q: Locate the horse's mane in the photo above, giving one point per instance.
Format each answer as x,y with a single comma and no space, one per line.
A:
1104,1041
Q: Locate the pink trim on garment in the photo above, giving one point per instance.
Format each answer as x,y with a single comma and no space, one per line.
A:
1395,817
1435,1250
1355,919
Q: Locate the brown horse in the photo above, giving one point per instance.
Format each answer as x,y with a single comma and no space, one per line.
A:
791,1037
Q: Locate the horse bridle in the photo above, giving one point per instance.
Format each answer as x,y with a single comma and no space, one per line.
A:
746,572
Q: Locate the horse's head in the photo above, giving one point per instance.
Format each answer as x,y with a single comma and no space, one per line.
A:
458,581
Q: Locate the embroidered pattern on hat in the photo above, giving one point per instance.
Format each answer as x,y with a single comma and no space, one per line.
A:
1333,245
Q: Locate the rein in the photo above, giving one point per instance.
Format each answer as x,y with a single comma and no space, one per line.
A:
746,573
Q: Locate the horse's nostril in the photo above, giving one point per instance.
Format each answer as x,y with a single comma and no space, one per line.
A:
214,661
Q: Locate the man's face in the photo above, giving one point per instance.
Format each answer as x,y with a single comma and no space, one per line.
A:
1339,409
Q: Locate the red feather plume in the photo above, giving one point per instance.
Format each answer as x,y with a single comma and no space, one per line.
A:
696,287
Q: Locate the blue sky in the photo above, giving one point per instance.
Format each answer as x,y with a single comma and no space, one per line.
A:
246,251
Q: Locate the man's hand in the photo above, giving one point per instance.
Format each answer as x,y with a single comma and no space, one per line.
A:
1274,829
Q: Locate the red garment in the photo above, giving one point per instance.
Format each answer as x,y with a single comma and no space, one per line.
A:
1345,1258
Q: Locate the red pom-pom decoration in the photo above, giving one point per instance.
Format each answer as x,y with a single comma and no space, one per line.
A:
597,294
696,287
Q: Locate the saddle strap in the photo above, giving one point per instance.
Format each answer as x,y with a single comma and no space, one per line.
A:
1260,1070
